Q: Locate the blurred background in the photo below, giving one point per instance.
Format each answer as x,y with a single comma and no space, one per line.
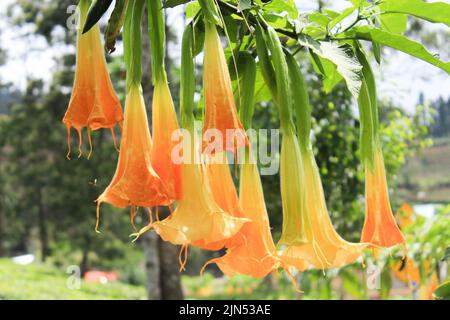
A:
48,247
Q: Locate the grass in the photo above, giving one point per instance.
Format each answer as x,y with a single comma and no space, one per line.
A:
426,177
43,281
38,281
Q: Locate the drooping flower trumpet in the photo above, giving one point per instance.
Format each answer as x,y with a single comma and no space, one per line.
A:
323,248
93,103
197,220
135,182
164,119
221,118
257,255
224,192
308,234
380,228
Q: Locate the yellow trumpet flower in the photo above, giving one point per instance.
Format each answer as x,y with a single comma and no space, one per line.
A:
257,256
224,192
318,244
197,220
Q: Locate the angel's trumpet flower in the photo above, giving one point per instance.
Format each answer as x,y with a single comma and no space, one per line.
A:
220,108
164,118
257,256
380,227
197,220
135,183
164,124
322,247
224,193
93,103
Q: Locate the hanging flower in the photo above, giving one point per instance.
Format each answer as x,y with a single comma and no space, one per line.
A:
220,109
135,182
197,220
93,103
164,124
380,228
320,246
257,255
224,192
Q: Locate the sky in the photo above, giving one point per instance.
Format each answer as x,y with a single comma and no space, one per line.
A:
400,77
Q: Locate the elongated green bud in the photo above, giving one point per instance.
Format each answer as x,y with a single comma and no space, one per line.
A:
300,103
115,23
265,65
187,80
371,86
247,69
368,112
283,96
157,35
367,139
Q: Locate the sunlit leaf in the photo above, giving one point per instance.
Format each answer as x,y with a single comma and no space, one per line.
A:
347,66
393,22
398,42
431,11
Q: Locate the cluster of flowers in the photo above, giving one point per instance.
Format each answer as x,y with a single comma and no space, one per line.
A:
208,211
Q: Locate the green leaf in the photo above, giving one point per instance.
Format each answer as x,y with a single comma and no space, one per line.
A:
174,3
319,18
244,5
397,42
192,8
442,292
393,22
347,66
438,12
96,11
342,16
282,7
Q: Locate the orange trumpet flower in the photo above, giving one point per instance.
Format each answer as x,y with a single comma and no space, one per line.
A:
257,256
135,182
220,107
93,103
380,228
197,220
318,244
164,124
